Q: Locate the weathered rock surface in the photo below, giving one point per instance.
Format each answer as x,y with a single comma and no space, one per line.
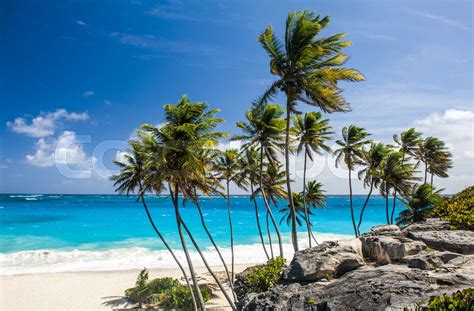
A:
385,230
457,241
430,261
430,224
387,249
326,261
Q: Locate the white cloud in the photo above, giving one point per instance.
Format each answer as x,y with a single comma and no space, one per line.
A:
120,156
88,93
44,124
81,23
442,19
107,102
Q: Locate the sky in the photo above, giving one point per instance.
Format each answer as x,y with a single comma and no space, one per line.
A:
78,77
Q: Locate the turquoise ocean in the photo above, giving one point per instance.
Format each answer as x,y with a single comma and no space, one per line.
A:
51,233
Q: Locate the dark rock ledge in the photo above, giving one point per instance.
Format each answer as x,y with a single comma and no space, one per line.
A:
386,269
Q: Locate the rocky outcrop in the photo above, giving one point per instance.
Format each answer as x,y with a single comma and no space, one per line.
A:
387,249
326,261
389,269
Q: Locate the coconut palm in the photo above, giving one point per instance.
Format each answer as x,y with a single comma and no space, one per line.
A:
228,169
264,129
178,161
370,161
308,67
311,133
314,196
435,156
350,151
300,213
249,165
419,203
397,176
408,142
131,180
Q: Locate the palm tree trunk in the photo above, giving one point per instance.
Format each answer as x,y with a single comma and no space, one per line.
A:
268,233
386,206
216,279
294,233
431,183
350,201
394,205
231,235
174,196
258,220
426,171
268,205
169,250
364,206
306,215
231,285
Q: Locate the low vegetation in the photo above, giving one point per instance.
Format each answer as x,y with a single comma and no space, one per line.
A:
162,293
458,210
457,301
265,276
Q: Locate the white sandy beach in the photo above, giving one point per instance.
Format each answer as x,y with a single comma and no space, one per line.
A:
82,290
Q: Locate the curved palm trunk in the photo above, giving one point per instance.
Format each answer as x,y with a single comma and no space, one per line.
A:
426,172
170,250
258,221
231,280
294,233
216,279
393,206
386,206
350,202
268,205
216,248
174,196
269,234
431,183
306,215
363,207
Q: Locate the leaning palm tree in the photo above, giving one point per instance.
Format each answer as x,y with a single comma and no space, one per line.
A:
396,176
311,133
309,68
418,204
178,161
350,151
132,179
264,129
228,169
370,173
435,156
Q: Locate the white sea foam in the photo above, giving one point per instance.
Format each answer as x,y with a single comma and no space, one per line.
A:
45,261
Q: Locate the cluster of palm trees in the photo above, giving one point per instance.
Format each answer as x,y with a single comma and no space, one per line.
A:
181,157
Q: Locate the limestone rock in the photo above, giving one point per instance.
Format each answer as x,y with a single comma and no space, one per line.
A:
430,261
387,249
457,241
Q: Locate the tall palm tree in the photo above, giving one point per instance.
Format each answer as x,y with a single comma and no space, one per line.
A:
300,215
132,179
314,195
249,165
178,161
308,67
228,169
350,151
311,133
435,156
370,173
264,129
397,176
418,204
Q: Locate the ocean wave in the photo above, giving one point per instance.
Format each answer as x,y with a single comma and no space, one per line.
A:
47,261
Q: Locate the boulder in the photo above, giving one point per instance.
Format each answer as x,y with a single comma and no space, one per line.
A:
385,230
326,261
457,241
430,261
387,249
430,224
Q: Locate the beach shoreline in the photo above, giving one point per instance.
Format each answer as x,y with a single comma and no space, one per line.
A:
85,290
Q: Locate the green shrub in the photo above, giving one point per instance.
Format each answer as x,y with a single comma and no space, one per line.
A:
166,293
458,210
262,277
458,301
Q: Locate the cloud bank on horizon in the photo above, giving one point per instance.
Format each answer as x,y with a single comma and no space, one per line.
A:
84,82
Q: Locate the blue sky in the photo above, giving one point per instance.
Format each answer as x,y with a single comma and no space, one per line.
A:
85,74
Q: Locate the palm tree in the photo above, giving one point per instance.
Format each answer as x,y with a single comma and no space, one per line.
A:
397,176
314,195
419,203
308,68
264,129
228,169
131,179
300,215
370,173
178,161
249,166
350,151
435,156
311,133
